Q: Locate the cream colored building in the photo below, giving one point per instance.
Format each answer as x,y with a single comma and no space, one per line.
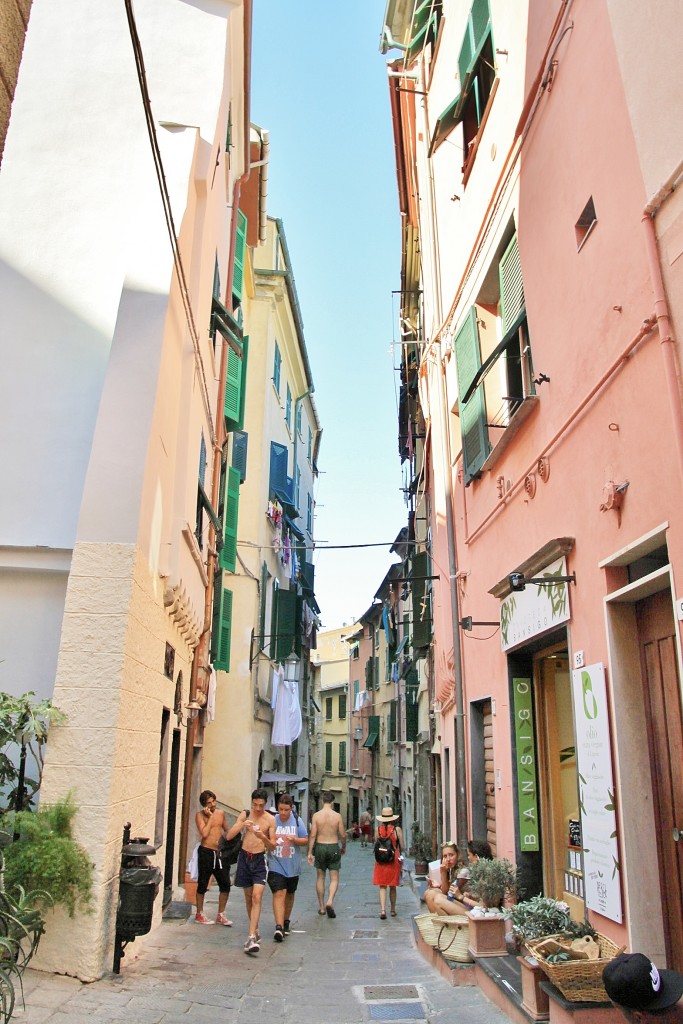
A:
271,587
333,766
110,432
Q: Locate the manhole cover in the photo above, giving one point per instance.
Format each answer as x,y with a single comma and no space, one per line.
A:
397,1011
391,992
361,934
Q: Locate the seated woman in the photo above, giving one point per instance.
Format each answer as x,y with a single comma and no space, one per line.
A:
452,896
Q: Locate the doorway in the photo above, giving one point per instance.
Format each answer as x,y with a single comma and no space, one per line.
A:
661,689
558,780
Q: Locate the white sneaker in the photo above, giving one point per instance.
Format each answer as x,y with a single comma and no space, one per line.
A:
251,945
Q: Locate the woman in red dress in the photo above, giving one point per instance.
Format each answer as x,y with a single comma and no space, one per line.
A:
388,876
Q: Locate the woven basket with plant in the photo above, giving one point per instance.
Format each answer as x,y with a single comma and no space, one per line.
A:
578,978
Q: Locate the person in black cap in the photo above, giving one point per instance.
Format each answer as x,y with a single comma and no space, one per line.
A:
642,991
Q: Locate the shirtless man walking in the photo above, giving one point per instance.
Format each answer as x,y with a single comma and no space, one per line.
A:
211,825
258,828
327,832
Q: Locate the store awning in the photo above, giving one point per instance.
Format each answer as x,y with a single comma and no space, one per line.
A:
282,777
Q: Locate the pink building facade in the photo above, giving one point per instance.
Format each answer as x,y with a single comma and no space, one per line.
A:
538,188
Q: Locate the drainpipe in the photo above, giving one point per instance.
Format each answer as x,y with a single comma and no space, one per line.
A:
460,791
661,308
200,659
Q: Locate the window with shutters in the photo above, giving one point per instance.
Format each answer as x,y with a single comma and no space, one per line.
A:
496,389
199,524
299,419
328,757
391,726
309,513
239,453
411,714
225,324
277,367
221,625
273,618
477,73
369,673
288,408
310,445
328,709
342,755
342,705
425,27
287,625
297,487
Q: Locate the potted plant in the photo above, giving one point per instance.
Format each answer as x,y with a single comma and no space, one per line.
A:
539,916
420,849
490,881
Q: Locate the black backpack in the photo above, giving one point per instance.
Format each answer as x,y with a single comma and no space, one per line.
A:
384,849
229,849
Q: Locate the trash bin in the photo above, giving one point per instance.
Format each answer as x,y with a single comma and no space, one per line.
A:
138,887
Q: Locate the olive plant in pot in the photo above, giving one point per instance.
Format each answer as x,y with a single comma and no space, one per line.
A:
490,881
420,849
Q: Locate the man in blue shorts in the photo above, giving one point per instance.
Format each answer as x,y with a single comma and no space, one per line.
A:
284,863
258,828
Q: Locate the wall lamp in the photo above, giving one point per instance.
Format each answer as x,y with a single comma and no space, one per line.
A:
193,709
518,581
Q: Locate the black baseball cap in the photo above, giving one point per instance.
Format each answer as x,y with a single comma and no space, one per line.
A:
633,981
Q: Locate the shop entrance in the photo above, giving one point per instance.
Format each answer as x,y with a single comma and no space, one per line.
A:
558,779
661,686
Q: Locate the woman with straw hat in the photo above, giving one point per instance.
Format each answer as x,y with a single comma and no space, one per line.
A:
387,875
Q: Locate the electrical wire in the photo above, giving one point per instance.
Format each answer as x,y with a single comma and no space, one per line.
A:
168,215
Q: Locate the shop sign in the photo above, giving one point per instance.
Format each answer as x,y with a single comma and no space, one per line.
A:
536,609
527,788
602,872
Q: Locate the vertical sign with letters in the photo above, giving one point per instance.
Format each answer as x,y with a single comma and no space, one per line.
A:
527,786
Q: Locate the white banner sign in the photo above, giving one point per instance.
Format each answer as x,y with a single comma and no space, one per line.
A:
536,609
602,876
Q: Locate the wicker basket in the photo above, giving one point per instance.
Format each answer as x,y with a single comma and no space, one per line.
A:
579,981
448,935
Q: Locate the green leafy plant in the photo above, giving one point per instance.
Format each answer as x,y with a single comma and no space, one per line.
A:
579,929
420,844
47,865
23,721
539,916
491,881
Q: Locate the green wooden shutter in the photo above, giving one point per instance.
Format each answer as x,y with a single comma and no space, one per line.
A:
422,616
476,32
392,722
262,605
221,627
243,389
328,757
368,674
228,556
411,714
273,619
286,624
342,755
240,253
511,285
233,388
475,438
342,705
328,709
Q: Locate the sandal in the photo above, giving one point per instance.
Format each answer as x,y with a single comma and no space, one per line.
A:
382,916
393,913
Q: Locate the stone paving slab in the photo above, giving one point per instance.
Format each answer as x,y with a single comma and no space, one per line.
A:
184,973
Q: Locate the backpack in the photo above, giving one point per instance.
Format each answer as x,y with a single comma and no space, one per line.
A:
384,849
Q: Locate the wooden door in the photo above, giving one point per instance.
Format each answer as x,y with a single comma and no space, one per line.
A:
656,632
489,775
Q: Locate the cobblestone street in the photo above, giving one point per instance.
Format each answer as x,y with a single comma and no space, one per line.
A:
351,969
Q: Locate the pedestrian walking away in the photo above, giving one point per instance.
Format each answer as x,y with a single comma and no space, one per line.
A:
365,823
326,844
388,860
258,828
284,863
211,825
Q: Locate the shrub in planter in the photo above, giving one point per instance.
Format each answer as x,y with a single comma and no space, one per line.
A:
421,846
539,916
491,881
47,859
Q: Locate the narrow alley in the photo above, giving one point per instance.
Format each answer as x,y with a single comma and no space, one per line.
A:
351,969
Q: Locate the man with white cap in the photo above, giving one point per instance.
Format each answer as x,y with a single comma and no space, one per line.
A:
642,991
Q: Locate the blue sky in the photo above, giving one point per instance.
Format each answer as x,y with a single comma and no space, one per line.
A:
319,86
